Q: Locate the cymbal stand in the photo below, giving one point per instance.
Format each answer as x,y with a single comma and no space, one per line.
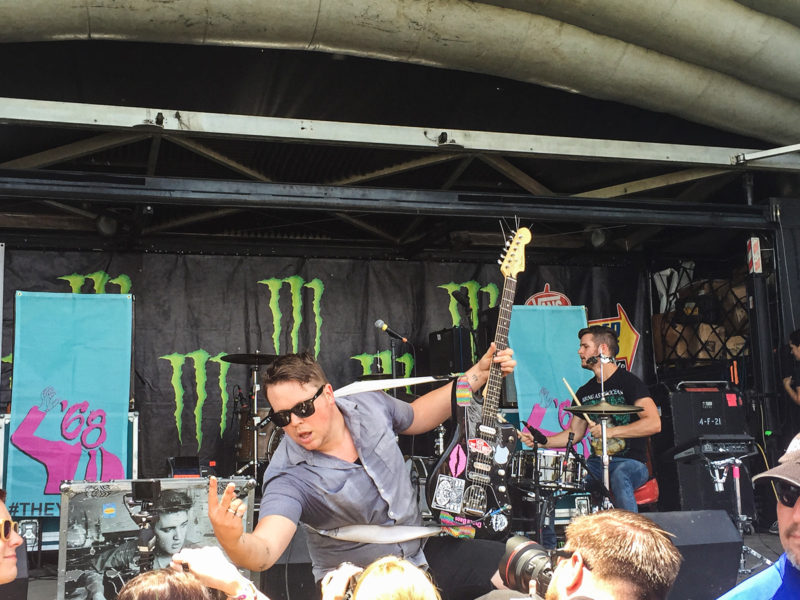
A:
258,422
603,427
606,460
718,469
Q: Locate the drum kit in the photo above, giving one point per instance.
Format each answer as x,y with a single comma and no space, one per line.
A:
551,485
258,438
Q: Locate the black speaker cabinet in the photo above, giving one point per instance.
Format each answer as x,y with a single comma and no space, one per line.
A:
710,545
696,410
450,351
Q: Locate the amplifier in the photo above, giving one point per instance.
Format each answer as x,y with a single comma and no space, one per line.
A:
450,351
701,409
717,445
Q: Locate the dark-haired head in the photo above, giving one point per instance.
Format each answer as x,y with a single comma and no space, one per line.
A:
602,335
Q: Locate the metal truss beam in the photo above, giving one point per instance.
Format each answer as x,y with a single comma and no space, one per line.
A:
249,194
203,124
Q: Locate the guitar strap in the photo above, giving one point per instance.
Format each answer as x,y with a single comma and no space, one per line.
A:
379,534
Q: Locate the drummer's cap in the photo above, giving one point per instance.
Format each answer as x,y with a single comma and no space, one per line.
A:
788,468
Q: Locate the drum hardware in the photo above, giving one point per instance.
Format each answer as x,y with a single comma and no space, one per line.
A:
438,443
718,470
254,418
604,411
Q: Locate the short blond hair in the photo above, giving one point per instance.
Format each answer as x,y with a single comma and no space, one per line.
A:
393,578
622,546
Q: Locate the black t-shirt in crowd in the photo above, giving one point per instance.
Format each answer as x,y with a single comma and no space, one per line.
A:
621,388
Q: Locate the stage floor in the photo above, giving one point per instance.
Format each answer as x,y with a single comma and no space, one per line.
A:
43,584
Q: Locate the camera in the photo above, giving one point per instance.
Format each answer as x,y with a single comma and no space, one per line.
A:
525,561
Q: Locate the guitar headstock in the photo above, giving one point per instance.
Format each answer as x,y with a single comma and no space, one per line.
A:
514,259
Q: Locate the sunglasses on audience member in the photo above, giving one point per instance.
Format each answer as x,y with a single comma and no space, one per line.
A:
787,493
556,555
302,409
6,525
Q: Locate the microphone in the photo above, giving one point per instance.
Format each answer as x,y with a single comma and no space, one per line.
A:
380,324
461,297
592,360
538,436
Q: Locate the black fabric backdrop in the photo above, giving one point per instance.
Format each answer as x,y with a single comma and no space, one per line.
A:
190,310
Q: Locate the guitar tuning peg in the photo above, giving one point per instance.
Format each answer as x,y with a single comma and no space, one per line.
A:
508,243
499,262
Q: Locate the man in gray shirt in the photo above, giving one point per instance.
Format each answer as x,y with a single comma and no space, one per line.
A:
339,464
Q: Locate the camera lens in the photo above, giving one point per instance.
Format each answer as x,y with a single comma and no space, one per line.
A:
523,561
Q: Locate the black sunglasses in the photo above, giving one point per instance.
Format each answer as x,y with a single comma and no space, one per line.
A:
6,527
556,554
302,409
787,493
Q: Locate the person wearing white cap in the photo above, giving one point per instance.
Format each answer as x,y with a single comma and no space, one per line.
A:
780,581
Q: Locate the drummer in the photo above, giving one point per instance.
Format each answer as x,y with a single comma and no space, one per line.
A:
626,433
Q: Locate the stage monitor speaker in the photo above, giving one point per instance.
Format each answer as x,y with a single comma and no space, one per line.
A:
701,409
450,351
711,547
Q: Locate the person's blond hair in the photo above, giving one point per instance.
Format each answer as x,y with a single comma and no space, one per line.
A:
393,578
626,548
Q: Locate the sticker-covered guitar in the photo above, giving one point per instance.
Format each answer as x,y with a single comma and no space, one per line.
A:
467,488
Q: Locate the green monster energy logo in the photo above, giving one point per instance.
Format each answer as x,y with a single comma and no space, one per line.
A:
200,359
472,288
99,281
295,285
384,359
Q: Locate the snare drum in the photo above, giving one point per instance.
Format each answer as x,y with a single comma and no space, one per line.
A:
572,476
553,473
549,468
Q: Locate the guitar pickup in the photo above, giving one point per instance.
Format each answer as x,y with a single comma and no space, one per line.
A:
482,466
479,478
487,430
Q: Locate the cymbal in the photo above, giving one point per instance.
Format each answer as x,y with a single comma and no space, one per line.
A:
249,359
375,376
604,408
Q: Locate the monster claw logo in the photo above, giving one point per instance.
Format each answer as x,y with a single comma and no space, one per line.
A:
472,288
296,285
384,359
200,359
99,280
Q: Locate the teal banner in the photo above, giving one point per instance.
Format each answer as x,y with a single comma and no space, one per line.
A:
72,371
545,342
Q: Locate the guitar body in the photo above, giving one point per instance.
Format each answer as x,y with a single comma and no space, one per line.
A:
468,484
467,489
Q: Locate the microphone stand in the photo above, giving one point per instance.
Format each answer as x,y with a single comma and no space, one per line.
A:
582,462
393,367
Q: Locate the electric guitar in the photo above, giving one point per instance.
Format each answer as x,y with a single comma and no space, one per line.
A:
467,489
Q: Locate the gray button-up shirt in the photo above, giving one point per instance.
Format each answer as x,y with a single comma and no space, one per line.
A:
325,492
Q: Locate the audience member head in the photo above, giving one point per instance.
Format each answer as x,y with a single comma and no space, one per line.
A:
9,541
167,584
786,478
393,578
602,335
171,521
615,554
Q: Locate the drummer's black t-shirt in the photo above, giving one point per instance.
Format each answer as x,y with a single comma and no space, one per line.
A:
621,388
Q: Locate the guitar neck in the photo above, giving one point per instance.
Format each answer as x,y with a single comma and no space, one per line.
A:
495,382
